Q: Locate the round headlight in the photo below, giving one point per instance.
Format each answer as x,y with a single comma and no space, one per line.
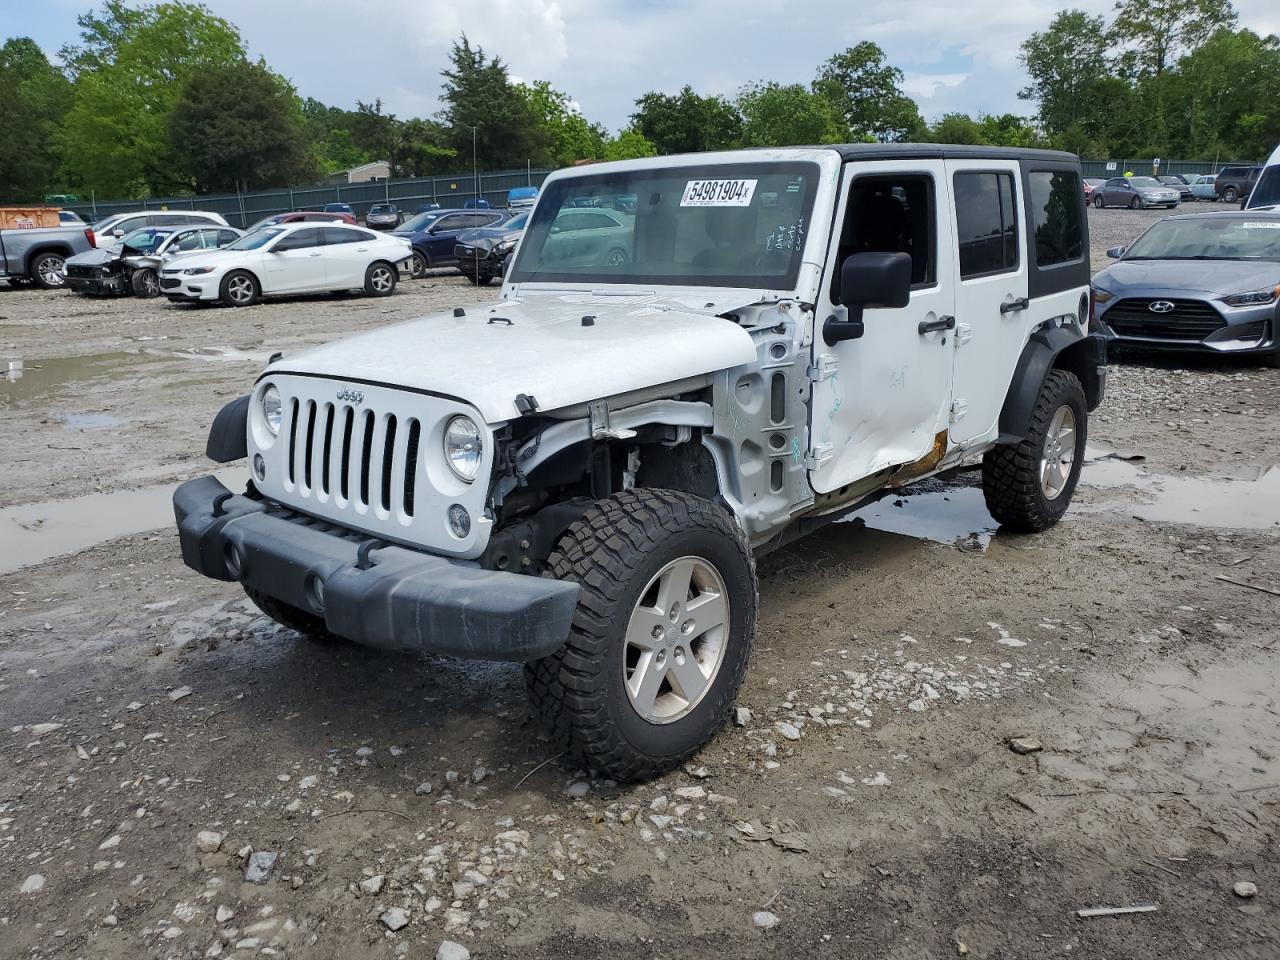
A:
272,409
463,447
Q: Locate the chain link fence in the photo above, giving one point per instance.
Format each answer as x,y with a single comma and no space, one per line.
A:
408,193
454,191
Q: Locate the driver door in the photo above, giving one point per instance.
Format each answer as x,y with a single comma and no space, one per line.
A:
883,400
296,263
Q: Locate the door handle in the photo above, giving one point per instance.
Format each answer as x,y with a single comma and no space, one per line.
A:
931,326
1014,306
316,254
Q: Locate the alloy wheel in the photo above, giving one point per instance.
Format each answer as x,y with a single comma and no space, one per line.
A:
240,289
676,640
381,280
51,272
1059,453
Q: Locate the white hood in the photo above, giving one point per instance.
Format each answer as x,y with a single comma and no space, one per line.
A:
545,351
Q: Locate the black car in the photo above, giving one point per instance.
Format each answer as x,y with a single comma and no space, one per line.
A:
1235,183
482,254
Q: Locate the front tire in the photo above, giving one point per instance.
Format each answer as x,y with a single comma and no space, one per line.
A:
145,283
380,280
420,266
1099,202
48,271
661,636
239,289
1028,487
480,279
1135,203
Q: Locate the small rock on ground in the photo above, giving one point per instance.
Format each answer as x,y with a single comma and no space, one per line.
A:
260,866
1245,890
394,918
451,950
33,883
208,841
1025,745
741,716
764,919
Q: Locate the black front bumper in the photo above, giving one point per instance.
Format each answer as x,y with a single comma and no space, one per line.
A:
393,597
111,285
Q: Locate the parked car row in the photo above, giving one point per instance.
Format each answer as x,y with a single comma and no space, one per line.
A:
1230,184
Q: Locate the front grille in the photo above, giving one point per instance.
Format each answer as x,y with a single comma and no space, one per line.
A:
1189,320
353,457
77,270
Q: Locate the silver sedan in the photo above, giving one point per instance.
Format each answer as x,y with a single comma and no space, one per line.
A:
1136,192
1205,282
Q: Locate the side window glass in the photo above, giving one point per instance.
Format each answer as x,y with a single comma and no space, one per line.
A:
300,240
227,236
1055,217
986,223
335,237
894,214
188,241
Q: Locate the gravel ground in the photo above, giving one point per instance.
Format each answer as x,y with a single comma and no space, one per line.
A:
951,738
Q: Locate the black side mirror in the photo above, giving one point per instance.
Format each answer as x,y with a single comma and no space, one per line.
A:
868,280
1115,253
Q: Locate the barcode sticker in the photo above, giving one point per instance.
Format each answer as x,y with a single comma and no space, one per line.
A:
718,193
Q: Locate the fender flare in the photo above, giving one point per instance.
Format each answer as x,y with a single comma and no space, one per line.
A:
1062,347
228,437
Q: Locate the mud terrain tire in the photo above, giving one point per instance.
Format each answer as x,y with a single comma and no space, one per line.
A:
1012,476
618,552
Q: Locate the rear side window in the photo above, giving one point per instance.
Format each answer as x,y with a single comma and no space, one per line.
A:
1267,192
986,224
1055,217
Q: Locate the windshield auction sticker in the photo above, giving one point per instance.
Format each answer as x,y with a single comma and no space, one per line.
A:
718,193
1261,224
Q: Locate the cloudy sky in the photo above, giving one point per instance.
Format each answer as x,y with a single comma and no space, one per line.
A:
605,53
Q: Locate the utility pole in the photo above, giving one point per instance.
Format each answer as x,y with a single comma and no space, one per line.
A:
475,166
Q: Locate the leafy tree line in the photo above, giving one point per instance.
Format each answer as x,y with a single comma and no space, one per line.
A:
163,99
1164,78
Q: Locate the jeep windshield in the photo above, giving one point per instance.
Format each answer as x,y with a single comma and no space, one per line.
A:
738,225
1209,238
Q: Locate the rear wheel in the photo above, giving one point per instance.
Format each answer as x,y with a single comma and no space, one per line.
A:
145,283
380,280
48,270
239,289
661,636
1029,486
1135,203
1229,195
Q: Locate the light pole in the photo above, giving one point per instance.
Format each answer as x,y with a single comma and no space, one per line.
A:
475,167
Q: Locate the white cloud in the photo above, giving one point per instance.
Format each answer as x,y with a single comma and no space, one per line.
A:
605,53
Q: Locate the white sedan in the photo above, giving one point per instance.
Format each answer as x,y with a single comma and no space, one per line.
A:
290,259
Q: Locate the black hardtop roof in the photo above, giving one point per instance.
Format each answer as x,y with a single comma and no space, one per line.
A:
944,151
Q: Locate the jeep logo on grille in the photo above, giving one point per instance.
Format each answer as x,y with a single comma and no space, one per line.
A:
1160,306
351,396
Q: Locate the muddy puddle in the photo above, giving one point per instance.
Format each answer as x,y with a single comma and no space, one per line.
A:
955,517
1252,504
28,379
32,533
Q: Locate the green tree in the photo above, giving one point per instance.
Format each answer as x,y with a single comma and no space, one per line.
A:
418,149
866,92
629,144
775,114
481,102
129,70
958,128
1229,92
686,122
570,136
238,124
1066,63
36,98
1152,33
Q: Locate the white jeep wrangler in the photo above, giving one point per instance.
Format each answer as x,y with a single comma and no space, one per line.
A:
694,360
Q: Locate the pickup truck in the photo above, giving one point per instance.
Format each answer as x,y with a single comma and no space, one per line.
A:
38,254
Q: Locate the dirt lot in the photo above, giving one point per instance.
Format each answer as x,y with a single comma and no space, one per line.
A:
154,731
